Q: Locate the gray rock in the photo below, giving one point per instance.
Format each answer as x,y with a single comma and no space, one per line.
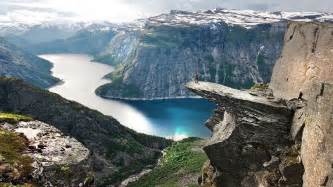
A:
251,133
53,167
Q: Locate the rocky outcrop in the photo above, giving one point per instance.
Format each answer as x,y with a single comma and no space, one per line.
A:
248,139
277,136
58,160
117,152
15,62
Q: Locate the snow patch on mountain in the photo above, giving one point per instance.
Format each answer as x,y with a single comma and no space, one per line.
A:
246,18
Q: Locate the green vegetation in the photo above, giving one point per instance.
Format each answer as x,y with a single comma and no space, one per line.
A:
260,86
165,37
13,118
261,59
124,145
117,87
12,161
19,185
182,160
122,173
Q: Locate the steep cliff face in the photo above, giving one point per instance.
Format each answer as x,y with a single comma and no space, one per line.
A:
306,59
117,152
277,136
305,71
120,49
168,56
15,62
231,47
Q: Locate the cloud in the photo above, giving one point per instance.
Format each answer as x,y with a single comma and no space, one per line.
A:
128,10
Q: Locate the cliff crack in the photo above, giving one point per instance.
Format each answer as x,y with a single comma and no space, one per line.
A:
322,89
292,35
316,35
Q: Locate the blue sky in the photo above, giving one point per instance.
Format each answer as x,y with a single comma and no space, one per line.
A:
128,10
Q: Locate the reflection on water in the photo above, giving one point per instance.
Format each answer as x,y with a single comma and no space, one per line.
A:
177,118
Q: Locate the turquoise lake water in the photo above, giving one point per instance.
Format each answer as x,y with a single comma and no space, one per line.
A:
172,118
181,117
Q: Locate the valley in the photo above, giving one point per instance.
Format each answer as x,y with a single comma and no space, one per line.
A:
222,97
171,118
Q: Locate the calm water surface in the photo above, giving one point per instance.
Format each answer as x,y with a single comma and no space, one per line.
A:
174,118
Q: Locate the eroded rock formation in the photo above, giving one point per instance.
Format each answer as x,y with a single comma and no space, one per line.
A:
250,142
281,135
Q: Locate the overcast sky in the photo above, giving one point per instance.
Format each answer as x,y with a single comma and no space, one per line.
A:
34,11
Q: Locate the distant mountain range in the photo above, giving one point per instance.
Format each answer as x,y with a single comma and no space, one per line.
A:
157,55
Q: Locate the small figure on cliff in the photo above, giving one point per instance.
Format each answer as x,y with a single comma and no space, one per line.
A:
300,96
196,78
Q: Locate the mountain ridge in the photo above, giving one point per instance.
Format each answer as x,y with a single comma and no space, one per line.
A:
16,62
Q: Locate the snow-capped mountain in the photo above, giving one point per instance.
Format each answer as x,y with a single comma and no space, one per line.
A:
47,31
246,18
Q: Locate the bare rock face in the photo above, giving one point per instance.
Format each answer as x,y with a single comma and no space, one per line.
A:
317,140
305,71
306,59
250,144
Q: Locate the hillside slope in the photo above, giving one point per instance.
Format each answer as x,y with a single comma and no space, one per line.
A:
15,62
116,150
84,41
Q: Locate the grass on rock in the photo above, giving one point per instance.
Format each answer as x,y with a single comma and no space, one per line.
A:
15,167
13,118
180,166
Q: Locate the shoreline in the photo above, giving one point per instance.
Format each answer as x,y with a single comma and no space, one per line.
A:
148,99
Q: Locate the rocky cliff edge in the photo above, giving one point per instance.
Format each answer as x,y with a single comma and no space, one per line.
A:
279,135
